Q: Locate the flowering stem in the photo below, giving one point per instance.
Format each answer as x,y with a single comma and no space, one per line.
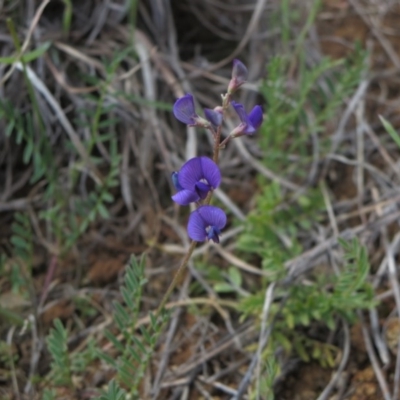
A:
217,139
226,101
224,142
217,146
182,266
177,277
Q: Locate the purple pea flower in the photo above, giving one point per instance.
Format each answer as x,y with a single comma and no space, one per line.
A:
249,122
239,76
175,181
206,223
185,112
215,117
195,180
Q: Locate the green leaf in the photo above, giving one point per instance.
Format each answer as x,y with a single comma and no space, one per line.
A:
27,152
235,276
145,334
301,351
139,344
114,392
107,197
134,354
316,352
106,358
153,321
10,128
113,339
121,312
289,318
223,288
20,243
283,340
304,319
103,211
27,57
127,296
390,130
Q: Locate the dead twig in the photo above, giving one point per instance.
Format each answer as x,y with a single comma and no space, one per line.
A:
343,362
372,358
262,342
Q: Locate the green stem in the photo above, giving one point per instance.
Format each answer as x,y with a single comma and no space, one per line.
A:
177,277
67,16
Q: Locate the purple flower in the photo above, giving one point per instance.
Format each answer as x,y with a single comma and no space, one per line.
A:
175,181
249,122
195,180
239,76
213,116
185,112
206,223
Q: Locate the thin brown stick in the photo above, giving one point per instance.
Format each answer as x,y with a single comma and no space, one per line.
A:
374,361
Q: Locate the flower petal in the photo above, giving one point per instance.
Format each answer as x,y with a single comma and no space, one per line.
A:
185,197
248,129
213,116
211,172
199,168
184,110
213,234
202,189
239,76
196,227
212,216
175,180
240,111
239,71
190,173
256,117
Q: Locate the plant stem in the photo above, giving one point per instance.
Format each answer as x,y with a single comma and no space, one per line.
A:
177,276
217,139
182,266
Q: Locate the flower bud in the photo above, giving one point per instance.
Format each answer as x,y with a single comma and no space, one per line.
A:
213,116
184,111
249,123
239,76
